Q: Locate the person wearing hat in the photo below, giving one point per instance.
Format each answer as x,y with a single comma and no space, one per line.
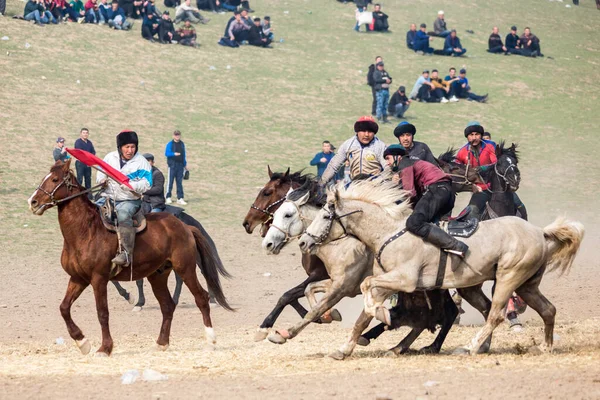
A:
399,103
177,163
495,44
439,25
422,39
130,163
60,151
166,29
405,134
463,90
363,151
452,45
513,43
154,198
382,82
432,196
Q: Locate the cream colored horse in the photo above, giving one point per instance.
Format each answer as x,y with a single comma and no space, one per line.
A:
510,250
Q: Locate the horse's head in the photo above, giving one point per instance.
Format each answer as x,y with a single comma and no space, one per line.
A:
463,178
506,167
270,198
55,186
323,229
286,225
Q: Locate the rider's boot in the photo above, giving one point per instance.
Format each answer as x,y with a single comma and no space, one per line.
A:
126,235
446,242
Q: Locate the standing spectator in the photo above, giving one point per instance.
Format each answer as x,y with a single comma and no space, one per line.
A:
382,86
452,46
399,103
321,160
495,44
371,83
411,36
256,36
422,39
60,151
186,35
530,44
166,30
177,163
154,198
2,7
84,173
380,19
439,26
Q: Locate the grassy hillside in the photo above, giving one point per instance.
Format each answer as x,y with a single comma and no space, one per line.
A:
276,106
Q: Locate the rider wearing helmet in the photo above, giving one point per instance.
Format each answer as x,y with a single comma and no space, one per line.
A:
364,152
128,161
480,154
405,133
431,190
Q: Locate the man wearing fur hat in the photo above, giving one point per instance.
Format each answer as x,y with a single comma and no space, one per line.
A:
363,151
130,163
405,134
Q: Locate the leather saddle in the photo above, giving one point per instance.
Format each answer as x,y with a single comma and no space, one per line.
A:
463,225
109,217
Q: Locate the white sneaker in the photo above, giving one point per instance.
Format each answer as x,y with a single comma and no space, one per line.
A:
169,201
181,201
444,100
453,99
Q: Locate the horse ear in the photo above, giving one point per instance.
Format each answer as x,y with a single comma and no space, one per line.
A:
67,166
287,173
304,199
269,171
513,147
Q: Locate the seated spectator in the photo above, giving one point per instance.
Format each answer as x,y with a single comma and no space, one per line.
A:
127,6
464,90
79,10
233,5
186,35
172,3
210,5
266,28
411,36
361,6
92,15
422,39
36,11
238,30
60,151
166,30
185,12
61,10
453,83
530,44
150,27
256,36
103,8
116,17
138,9
441,89
422,89
495,44
380,20
513,44
452,46
439,26
399,103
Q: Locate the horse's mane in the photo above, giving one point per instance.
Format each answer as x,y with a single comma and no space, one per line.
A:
509,151
295,177
448,156
381,192
317,197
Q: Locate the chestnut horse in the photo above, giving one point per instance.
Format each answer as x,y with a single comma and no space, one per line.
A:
165,244
268,200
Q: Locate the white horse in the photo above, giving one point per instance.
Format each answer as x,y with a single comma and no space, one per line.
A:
510,250
348,262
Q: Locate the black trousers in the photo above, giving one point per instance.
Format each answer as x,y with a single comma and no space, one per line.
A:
437,201
480,199
148,32
374,105
497,49
84,173
207,5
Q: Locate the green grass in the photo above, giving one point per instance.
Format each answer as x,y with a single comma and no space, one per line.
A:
279,104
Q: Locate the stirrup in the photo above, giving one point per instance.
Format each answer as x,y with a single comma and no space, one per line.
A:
115,270
455,252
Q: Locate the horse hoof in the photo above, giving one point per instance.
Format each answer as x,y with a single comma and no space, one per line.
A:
363,341
461,351
390,354
84,346
162,347
335,315
261,334
211,337
136,309
276,338
484,349
337,355
383,315
131,299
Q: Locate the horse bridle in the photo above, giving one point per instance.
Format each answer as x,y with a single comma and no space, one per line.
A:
503,176
266,209
68,182
332,216
289,237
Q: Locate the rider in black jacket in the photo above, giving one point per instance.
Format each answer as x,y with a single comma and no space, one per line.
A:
154,198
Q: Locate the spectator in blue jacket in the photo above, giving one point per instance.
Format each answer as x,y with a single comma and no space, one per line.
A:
177,163
422,41
116,17
411,35
103,11
321,160
452,46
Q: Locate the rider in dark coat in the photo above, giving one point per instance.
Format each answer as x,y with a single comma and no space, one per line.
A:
154,198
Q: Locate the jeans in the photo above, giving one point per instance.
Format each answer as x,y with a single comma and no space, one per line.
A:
33,15
157,210
383,96
228,7
188,16
84,174
126,210
401,109
443,34
175,173
450,51
92,17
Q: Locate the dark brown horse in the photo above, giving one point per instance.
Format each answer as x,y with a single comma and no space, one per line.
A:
88,247
261,212
463,177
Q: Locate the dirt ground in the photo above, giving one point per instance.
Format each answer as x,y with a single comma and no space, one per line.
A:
32,363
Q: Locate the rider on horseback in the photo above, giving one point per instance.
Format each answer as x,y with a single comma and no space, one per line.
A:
127,202
431,190
480,154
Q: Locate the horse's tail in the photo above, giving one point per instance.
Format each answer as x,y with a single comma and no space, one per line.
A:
211,266
563,238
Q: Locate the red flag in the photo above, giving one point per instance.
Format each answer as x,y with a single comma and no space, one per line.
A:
92,161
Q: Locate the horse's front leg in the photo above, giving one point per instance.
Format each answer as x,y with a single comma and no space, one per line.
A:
321,287
74,290
100,283
377,289
347,348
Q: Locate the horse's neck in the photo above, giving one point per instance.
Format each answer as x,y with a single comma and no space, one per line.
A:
502,201
372,226
79,219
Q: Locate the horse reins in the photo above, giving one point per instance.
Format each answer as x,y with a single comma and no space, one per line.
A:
69,184
331,216
289,237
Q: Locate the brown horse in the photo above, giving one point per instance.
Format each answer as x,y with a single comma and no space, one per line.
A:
261,212
165,244
463,177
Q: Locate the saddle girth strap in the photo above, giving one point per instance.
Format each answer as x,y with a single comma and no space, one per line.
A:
384,245
439,280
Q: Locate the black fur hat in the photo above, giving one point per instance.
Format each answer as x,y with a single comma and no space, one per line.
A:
127,137
404,127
